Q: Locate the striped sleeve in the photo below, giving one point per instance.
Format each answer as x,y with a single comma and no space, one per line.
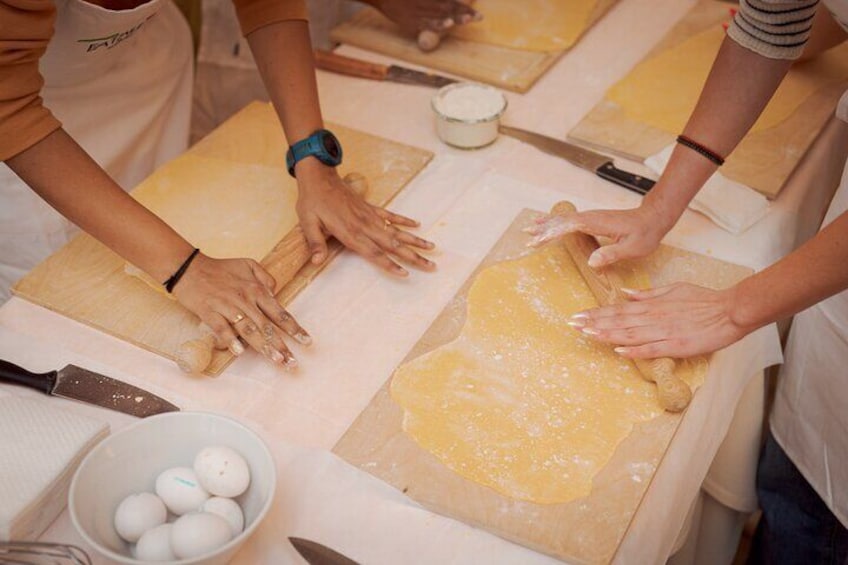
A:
777,29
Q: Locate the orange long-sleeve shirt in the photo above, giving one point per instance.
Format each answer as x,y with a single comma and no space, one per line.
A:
26,27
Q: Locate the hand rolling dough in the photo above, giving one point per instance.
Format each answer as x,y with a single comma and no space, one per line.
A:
520,402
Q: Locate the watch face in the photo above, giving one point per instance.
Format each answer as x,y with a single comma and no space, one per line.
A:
331,146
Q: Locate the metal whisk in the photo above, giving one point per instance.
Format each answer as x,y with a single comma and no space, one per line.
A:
41,553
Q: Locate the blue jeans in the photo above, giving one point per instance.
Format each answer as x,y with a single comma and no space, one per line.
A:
797,527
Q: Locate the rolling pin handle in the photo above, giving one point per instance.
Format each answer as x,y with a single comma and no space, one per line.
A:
195,355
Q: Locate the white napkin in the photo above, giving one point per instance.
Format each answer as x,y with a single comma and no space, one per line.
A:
41,446
732,206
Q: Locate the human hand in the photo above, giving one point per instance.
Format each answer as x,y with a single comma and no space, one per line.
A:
328,206
235,298
634,233
414,16
680,320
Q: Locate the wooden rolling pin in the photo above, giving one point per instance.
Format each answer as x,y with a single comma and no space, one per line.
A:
283,263
674,395
429,40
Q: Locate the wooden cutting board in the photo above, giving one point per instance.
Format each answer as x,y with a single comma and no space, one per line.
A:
586,530
87,282
762,161
512,69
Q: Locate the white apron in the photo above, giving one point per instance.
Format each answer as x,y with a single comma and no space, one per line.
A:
810,416
120,83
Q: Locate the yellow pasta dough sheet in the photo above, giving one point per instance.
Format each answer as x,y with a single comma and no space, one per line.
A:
532,25
519,401
662,90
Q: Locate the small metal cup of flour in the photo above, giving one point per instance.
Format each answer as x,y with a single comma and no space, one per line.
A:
467,114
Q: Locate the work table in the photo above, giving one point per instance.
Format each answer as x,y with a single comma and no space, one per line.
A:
364,322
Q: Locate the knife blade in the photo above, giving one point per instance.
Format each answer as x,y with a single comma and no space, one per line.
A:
87,386
597,163
329,61
317,554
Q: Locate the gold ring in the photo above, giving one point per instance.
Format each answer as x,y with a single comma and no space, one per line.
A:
239,317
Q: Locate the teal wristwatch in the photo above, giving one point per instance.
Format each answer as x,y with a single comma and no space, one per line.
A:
322,145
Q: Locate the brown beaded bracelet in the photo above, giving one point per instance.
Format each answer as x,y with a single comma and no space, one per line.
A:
175,278
695,146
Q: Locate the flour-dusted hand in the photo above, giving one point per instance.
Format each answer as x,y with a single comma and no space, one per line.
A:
633,233
327,206
680,320
427,15
235,298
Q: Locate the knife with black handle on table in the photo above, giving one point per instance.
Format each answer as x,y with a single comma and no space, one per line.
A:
87,386
597,163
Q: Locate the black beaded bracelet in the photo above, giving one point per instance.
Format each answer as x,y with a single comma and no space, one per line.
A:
695,146
175,278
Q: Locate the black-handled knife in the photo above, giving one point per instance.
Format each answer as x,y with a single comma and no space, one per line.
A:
81,384
597,163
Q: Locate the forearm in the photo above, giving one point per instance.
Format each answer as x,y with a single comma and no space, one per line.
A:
62,173
815,271
283,56
737,90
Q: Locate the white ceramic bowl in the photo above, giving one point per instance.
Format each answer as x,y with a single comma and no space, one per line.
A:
468,114
129,461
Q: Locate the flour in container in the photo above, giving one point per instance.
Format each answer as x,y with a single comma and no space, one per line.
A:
467,114
470,102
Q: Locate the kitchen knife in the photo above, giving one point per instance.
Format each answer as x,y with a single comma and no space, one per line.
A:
329,61
317,554
599,164
87,386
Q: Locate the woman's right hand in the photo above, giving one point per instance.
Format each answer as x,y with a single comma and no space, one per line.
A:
632,233
235,299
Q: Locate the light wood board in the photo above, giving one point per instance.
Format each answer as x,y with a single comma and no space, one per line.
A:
512,69
586,530
87,282
763,160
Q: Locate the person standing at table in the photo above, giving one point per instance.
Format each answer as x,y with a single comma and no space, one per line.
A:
226,76
117,75
802,479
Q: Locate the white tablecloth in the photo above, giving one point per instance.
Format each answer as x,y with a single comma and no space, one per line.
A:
365,322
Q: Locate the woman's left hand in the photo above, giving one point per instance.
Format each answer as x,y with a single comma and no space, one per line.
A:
327,206
680,320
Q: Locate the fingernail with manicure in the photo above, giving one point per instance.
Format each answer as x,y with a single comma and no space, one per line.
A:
579,316
590,331
236,348
290,364
304,339
629,291
621,350
596,259
577,323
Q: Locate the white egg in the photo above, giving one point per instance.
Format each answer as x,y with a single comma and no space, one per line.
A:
155,545
222,471
138,513
228,509
199,533
180,490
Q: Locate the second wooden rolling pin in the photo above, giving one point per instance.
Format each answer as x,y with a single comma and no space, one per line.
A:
674,395
283,263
